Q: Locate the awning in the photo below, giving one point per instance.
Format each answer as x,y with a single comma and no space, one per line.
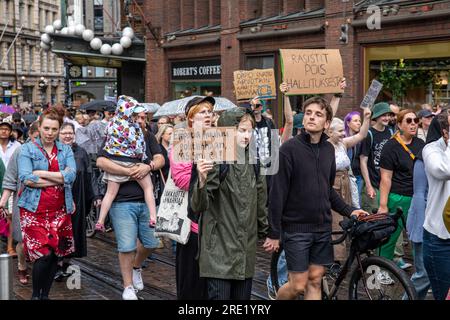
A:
78,52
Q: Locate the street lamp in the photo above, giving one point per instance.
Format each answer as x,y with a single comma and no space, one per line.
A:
43,88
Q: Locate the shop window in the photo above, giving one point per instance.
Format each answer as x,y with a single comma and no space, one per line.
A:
28,94
98,16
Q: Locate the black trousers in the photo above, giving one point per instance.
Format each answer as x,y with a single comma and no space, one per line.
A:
189,284
224,289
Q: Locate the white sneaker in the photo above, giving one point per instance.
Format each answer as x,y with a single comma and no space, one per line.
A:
137,279
384,278
129,293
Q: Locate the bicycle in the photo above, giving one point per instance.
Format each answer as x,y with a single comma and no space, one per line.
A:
368,279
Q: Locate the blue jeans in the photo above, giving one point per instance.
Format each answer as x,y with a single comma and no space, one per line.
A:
131,222
282,271
420,277
436,257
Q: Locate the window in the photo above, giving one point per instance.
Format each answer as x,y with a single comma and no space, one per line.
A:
24,55
27,94
98,15
10,57
31,55
99,72
30,17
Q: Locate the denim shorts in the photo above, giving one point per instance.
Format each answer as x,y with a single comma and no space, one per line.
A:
305,249
131,222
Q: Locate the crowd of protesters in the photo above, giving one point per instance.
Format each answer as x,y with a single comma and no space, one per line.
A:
372,160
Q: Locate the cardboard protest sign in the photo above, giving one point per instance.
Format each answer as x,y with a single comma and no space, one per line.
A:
256,82
311,71
212,144
372,94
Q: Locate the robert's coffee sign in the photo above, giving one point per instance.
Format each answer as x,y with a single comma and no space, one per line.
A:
196,70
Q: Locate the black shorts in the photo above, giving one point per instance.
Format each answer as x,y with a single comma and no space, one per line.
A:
305,249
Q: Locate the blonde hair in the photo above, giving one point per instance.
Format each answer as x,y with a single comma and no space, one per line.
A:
335,123
195,109
162,130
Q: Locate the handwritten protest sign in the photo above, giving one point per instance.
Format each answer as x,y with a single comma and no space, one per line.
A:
252,83
212,144
312,71
372,94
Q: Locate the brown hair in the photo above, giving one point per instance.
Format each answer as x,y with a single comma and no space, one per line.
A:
322,103
34,127
195,109
401,115
55,113
248,117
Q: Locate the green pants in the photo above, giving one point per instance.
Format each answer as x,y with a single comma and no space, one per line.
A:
395,201
368,204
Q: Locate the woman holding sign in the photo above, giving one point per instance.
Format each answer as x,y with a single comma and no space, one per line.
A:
230,223
199,112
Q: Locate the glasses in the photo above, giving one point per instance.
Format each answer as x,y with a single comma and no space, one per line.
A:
67,133
410,120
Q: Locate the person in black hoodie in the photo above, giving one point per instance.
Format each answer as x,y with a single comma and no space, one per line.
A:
301,200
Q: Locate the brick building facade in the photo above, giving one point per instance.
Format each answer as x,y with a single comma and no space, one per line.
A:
246,34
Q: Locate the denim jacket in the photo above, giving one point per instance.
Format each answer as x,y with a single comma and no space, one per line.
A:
31,159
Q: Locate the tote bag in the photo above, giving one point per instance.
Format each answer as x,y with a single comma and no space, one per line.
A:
172,220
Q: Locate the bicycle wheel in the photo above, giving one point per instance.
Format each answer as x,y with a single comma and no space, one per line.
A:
382,280
91,220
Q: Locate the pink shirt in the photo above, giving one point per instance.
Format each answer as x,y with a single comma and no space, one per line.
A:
181,176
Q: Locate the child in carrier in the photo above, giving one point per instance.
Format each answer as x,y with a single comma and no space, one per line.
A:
125,139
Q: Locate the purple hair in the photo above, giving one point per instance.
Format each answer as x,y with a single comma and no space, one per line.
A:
347,119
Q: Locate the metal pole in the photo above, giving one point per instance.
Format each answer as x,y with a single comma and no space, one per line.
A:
6,277
15,52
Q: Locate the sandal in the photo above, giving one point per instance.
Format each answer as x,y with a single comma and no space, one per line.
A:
100,227
23,276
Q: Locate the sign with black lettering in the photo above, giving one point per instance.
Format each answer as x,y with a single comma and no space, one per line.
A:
196,70
372,94
312,71
212,144
256,82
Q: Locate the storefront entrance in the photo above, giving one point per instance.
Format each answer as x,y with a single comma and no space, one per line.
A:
196,77
411,74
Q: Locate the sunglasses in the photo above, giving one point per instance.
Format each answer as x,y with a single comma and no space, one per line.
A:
410,120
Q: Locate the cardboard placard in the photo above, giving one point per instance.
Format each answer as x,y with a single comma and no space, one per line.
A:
372,94
212,144
312,71
257,82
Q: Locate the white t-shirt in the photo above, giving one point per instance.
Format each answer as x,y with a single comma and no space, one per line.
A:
436,157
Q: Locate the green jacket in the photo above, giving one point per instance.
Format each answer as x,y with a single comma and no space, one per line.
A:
234,215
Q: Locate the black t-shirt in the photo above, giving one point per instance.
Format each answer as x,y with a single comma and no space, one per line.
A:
130,191
372,147
395,158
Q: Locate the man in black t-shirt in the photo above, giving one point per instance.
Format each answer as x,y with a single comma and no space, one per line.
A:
130,216
371,147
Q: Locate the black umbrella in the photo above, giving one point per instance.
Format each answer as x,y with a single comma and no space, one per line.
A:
99,105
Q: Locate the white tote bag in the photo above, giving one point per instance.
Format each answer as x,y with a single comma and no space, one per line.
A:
172,220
